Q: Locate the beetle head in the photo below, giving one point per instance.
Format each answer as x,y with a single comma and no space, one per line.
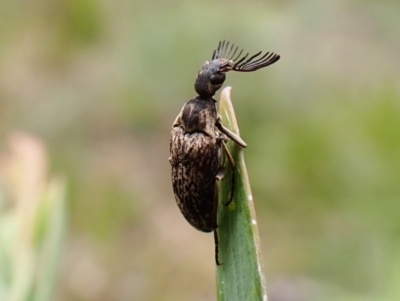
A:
212,75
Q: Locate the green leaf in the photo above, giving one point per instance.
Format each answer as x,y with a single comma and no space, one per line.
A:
240,277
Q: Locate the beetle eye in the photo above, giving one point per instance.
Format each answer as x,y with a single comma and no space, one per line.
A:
217,78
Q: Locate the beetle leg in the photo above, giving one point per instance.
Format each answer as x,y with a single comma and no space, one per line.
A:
230,134
233,166
215,207
219,177
216,247
229,156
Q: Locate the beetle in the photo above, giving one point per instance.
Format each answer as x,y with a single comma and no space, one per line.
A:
198,140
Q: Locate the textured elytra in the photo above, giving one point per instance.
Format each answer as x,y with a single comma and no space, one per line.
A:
195,148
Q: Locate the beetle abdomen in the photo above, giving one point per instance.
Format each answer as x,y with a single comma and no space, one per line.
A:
195,162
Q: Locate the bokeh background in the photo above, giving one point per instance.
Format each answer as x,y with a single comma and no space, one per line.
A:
100,82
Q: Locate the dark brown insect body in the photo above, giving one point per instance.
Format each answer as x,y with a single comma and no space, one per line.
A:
197,143
195,159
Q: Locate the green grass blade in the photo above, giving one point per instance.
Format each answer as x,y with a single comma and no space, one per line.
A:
32,224
52,240
240,277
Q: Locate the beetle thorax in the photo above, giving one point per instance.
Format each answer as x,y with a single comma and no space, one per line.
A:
199,115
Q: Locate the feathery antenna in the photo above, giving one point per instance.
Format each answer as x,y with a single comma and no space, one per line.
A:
244,64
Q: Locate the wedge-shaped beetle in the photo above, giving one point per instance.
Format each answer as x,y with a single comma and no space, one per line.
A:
197,143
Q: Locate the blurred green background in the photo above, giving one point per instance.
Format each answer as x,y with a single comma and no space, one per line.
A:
101,83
